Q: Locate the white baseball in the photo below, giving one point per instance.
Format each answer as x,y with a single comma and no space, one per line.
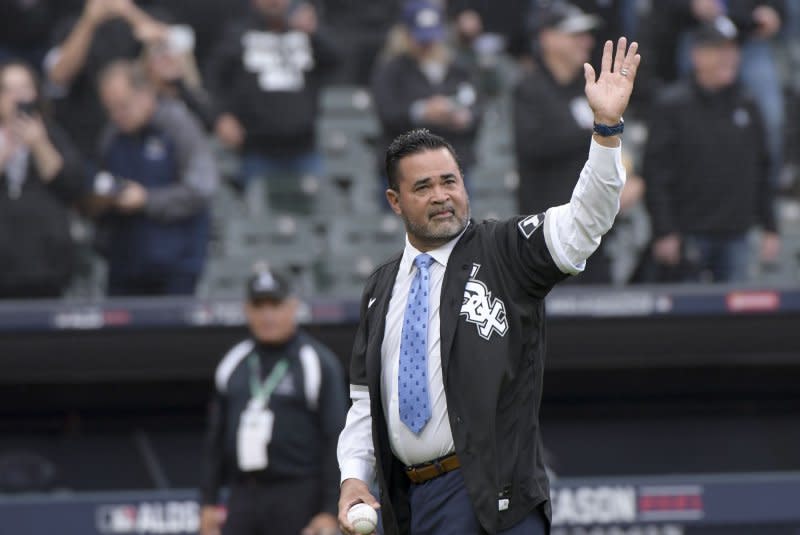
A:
363,518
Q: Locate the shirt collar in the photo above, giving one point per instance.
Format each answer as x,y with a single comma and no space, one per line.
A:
441,254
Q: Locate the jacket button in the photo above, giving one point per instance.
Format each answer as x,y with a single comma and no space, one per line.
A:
458,419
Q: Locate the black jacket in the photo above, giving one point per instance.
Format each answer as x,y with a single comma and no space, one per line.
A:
398,83
270,80
550,144
310,405
706,163
492,366
36,249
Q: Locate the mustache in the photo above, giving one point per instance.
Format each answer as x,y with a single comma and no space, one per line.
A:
441,210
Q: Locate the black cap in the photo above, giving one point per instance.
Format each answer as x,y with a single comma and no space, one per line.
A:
267,284
564,17
720,31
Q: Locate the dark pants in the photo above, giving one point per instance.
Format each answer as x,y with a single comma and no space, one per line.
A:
278,508
442,506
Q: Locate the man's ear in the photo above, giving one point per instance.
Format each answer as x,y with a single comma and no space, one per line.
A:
394,200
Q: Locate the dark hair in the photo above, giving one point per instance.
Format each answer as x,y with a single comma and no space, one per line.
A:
413,142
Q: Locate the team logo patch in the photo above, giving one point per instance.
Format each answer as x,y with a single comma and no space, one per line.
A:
478,307
528,225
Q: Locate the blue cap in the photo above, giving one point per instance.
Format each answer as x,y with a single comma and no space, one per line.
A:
424,20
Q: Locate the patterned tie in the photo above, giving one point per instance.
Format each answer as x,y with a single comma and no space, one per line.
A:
415,410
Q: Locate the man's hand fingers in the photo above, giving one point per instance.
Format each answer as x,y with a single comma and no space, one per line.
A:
619,57
588,72
632,60
605,65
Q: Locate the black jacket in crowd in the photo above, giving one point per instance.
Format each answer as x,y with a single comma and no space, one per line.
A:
36,249
550,144
310,406
706,163
492,368
270,80
399,82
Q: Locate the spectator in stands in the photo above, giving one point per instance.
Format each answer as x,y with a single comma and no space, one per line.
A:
758,22
706,164
265,76
40,177
160,176
552,118
106,30
485,33
618,17
171,68
278,406
422,86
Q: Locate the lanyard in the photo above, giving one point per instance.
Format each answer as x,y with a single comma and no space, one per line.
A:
259,391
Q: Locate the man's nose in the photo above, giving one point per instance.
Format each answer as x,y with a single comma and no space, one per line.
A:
440,194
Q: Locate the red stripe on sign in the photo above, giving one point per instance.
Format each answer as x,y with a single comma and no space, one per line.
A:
753,301
683,502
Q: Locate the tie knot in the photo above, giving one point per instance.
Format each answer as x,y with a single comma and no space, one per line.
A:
423,261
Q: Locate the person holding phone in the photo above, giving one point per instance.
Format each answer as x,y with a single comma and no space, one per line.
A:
40,177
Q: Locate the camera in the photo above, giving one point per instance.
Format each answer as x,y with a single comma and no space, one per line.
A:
107,185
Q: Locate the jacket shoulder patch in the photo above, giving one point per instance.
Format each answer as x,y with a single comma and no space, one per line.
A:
529,225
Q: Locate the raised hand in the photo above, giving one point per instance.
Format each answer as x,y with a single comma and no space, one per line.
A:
608,94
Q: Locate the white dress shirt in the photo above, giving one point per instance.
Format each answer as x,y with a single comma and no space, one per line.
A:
435,439
572,233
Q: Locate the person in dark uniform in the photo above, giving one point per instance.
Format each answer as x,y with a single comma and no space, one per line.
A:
279,403
447,364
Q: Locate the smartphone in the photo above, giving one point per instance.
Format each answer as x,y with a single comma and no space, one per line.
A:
26,107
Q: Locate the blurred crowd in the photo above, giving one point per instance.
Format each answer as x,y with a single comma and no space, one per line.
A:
116,112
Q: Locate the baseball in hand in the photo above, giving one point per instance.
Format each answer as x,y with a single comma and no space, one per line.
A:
363,518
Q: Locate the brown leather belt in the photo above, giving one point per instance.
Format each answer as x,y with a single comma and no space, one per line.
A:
420,473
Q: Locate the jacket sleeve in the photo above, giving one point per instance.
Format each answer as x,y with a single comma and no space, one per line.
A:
222,67
355,451
332,413
537,134
70,182
659,170
213,454
391,104
327,55
197,167
573,231
766,190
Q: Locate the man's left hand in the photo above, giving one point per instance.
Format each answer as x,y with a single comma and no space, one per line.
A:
609,94
322,524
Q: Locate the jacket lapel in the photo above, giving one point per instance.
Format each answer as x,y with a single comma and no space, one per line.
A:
377,314
459,266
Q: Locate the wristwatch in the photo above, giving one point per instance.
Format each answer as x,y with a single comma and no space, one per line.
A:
605,130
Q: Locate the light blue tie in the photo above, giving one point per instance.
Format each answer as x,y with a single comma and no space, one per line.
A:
412,379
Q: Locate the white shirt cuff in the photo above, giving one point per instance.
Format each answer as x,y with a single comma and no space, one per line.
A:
358,469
